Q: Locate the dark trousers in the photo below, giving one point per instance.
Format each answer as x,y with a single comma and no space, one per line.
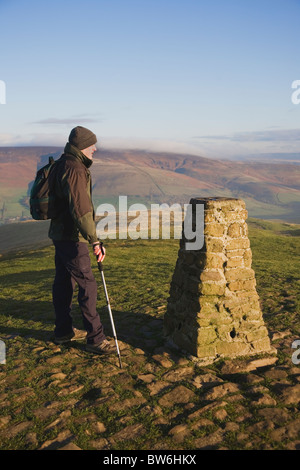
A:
73,266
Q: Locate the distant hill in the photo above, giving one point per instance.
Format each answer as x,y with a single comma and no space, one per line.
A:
270,190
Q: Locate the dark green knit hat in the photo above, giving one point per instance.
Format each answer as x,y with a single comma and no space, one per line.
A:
82,138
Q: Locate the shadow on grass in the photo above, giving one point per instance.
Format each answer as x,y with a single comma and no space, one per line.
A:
35,319
31,279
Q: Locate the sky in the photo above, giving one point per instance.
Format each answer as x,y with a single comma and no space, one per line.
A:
211,78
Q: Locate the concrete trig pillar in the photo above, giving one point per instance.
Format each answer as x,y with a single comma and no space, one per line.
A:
213,310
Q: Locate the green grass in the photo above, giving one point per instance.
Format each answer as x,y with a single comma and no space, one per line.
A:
288,197
276,260
266,210
138,275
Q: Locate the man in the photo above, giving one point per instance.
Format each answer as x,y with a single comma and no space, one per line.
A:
72,232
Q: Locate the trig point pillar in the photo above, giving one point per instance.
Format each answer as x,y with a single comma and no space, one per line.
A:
213,310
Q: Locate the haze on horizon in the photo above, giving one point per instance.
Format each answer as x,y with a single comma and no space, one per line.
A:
206,78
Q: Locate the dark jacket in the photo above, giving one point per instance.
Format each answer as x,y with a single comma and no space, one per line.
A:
73,193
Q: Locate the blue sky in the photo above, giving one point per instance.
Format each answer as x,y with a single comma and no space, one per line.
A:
205,77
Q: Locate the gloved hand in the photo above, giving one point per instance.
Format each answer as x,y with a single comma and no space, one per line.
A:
99,251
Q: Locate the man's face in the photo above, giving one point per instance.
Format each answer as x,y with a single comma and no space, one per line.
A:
89,151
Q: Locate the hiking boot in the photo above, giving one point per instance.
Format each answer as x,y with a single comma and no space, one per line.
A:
75,335
102,348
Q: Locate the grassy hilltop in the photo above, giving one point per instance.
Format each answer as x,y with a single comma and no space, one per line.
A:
53,396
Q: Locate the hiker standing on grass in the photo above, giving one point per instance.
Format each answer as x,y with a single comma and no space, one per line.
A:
72,231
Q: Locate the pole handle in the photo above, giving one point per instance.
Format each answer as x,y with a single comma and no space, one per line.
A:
100,266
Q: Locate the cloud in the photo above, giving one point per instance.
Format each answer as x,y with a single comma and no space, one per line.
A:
81,119
288,135
212,137
10,140
150,145
283,135
235,146
113,142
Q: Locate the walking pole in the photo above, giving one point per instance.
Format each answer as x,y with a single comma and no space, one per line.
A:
100,267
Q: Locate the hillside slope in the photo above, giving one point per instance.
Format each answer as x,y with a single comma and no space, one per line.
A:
270,190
